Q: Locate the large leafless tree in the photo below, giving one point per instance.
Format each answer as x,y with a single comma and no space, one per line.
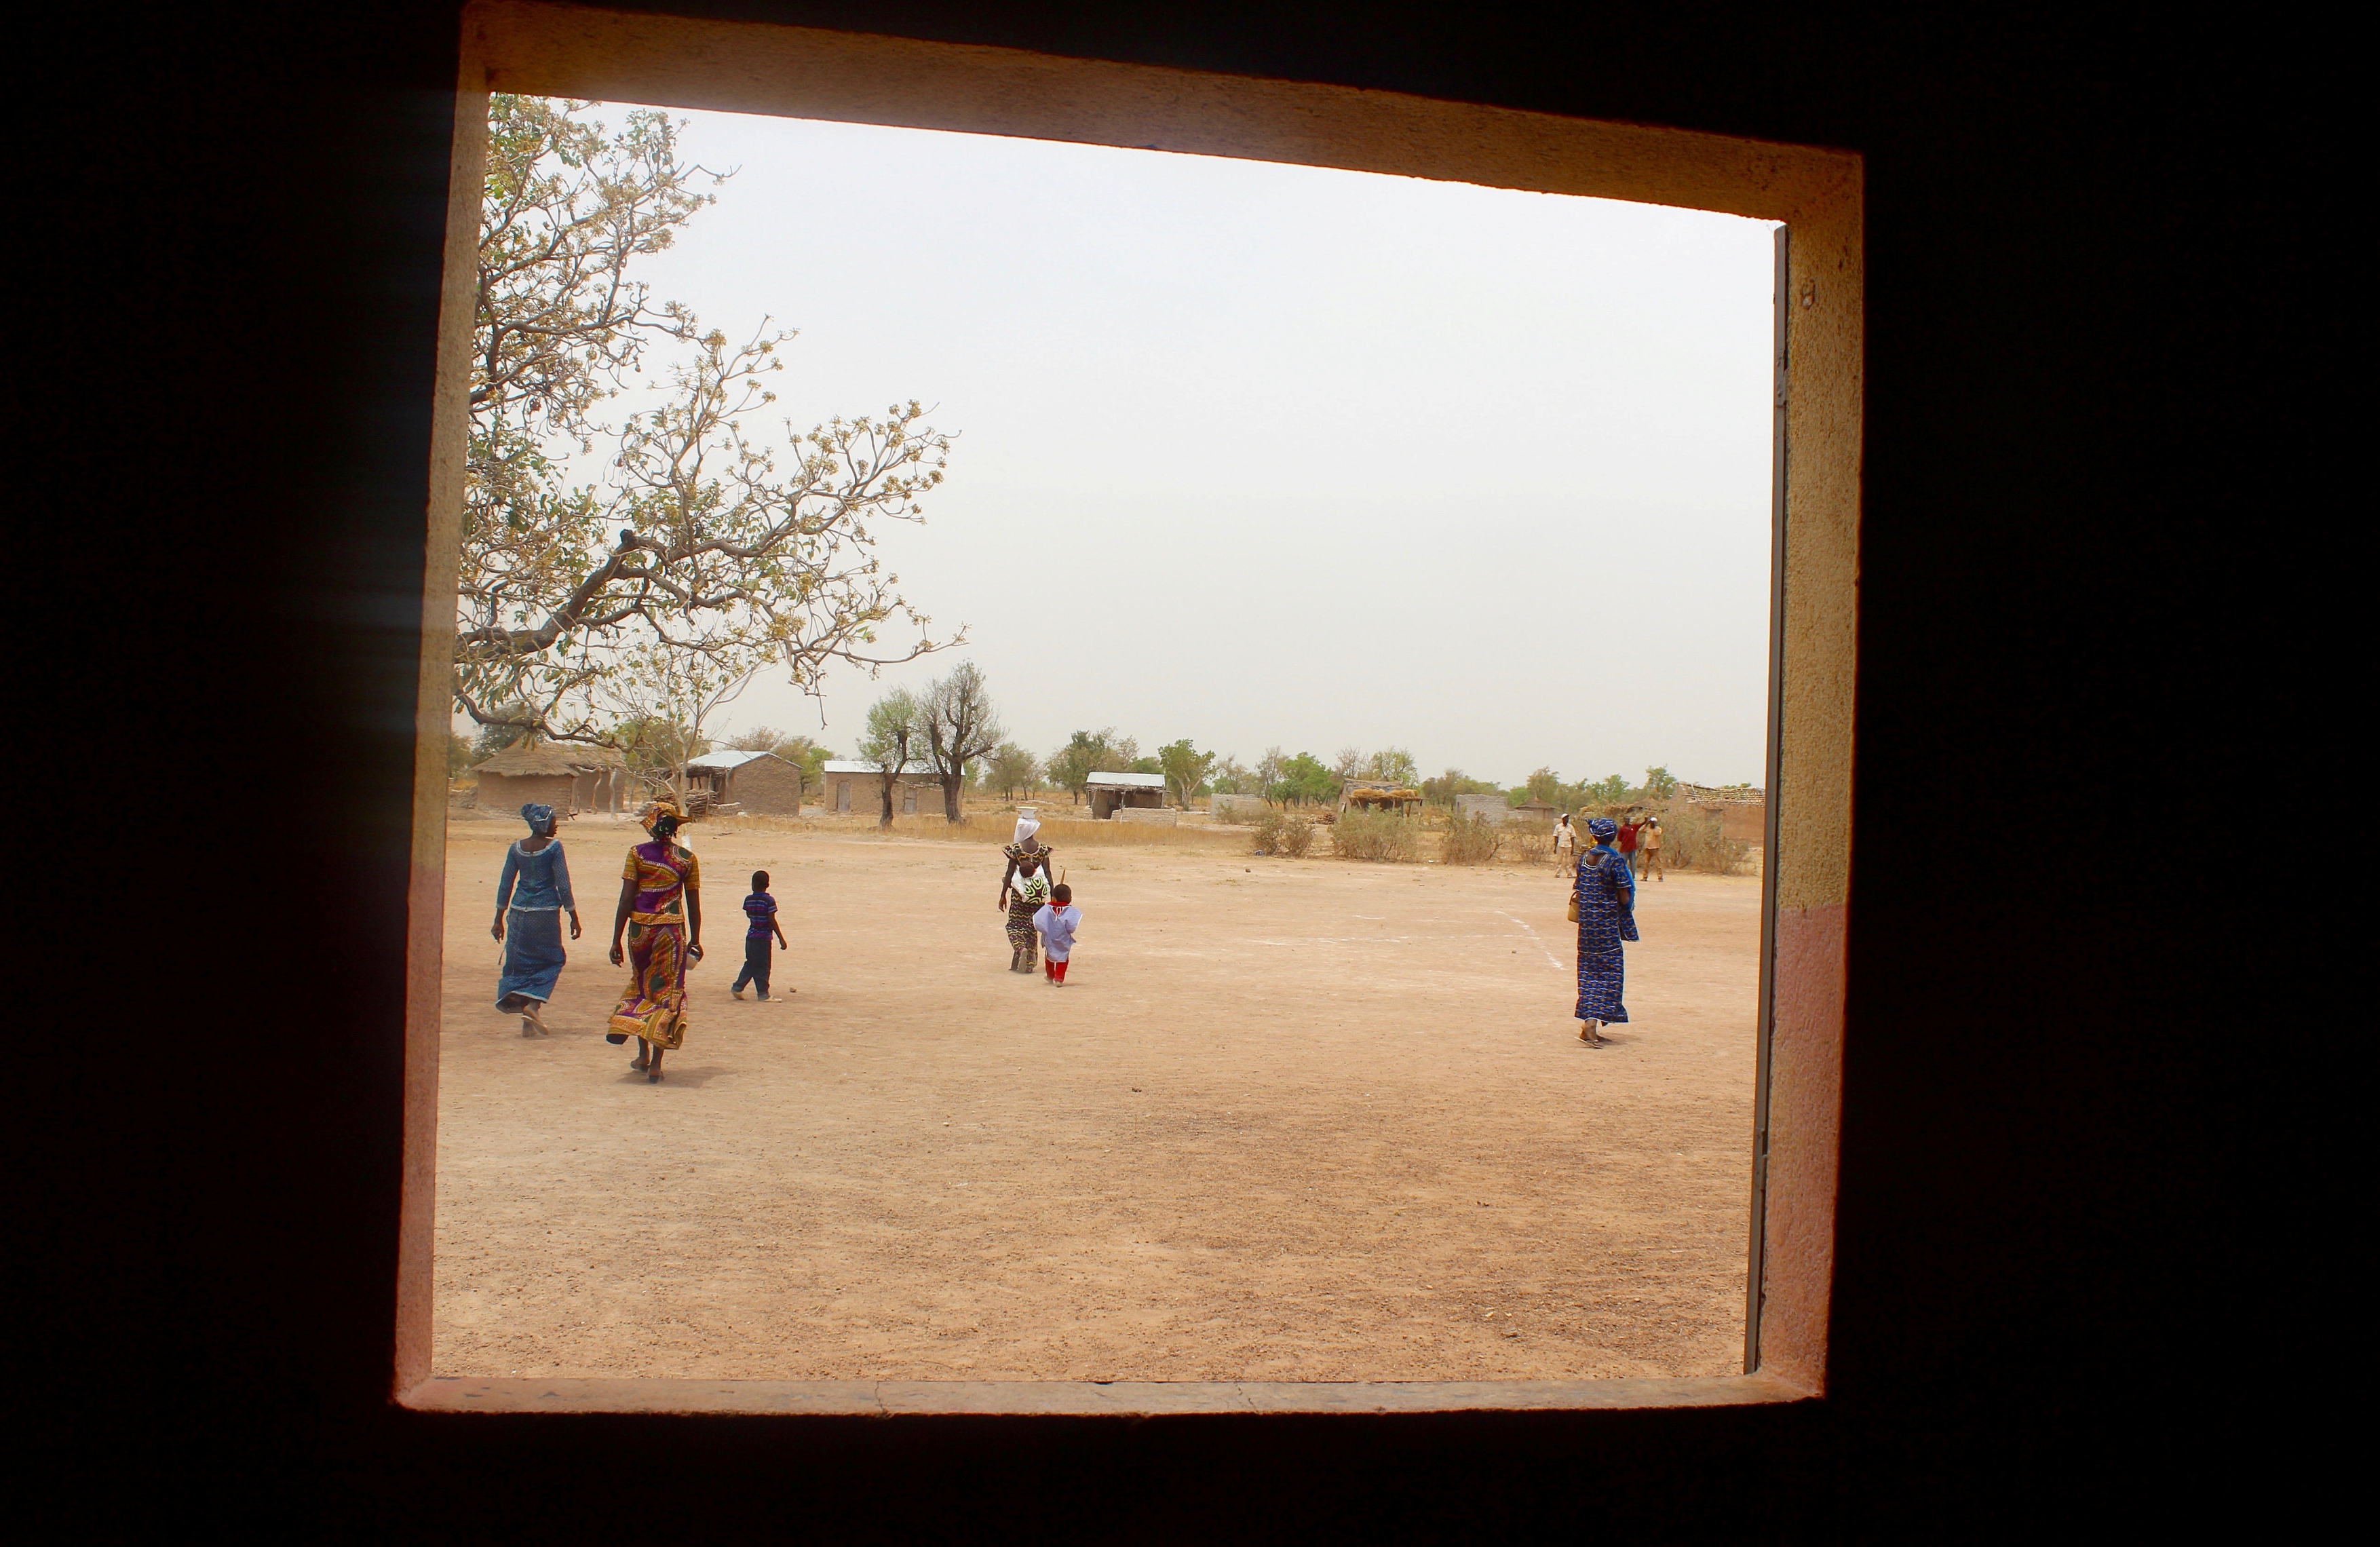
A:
961,726
703,548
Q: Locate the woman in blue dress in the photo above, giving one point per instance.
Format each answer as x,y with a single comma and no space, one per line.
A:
530,900
1607,915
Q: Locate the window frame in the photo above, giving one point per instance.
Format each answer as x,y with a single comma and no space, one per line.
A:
532,47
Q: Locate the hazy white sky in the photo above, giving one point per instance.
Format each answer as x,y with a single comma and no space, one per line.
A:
1268,454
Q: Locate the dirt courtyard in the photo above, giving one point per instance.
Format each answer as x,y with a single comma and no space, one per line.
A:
1297,1120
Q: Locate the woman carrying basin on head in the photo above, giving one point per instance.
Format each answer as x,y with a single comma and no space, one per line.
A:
531,898
661,917
1024,887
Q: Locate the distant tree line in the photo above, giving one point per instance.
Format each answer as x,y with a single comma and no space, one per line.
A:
950,730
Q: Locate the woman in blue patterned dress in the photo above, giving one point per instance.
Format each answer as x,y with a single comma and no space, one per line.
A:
1607,915
531,897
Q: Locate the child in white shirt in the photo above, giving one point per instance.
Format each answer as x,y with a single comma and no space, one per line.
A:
1057,921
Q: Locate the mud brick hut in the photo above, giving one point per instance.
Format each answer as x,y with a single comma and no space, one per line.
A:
761,783
569,779
858,786
1110,793
1491,808
1742,811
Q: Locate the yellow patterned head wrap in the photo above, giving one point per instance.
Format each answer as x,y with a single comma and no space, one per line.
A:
661,808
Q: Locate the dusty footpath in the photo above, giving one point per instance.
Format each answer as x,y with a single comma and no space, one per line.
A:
1287,1120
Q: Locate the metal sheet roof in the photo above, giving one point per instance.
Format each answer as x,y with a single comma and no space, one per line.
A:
727,759
845,765
1128,781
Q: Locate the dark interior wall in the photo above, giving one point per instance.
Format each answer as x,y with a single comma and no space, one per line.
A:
2079,272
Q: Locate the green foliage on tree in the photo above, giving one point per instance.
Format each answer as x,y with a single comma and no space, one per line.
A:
1185,768
461,753
1658,784
1304,780
490,739
657,747
1442,790
1393,763
894,743
1609,790
1011,770
1089,752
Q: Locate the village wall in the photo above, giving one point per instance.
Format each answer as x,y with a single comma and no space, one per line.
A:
1493,806
767,787
1157,818
863,794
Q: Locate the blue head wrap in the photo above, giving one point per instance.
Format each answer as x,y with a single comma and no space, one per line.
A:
539,818
1604,828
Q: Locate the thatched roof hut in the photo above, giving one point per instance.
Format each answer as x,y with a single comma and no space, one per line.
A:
568,778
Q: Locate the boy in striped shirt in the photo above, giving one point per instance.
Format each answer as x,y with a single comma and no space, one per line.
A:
762,911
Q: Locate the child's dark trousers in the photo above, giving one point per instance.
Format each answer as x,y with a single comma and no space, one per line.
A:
756,964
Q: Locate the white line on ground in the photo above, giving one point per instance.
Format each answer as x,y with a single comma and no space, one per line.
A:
1534,939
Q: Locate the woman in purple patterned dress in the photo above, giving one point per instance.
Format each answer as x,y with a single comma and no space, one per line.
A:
657,934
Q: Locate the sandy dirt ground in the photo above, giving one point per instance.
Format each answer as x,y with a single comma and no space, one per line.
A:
1287,1120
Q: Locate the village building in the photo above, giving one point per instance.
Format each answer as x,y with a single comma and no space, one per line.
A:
1489,808
761,783
1110,793
1537,810
570,779
854,787
1379,795
1742,811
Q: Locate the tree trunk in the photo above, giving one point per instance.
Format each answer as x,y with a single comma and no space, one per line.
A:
951,783
884,823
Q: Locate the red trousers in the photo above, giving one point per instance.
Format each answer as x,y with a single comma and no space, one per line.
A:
1053,970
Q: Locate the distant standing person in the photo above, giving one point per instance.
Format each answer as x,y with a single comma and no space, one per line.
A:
1024,887
531,897
1565,845
1606,894
660,916
761,909
1648,849
1628,833
1057,921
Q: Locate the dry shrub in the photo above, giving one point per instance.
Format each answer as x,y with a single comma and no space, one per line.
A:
1279,832
1380,836
1472,840
1531,845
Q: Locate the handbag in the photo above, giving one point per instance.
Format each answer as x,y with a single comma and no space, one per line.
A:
1572,914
